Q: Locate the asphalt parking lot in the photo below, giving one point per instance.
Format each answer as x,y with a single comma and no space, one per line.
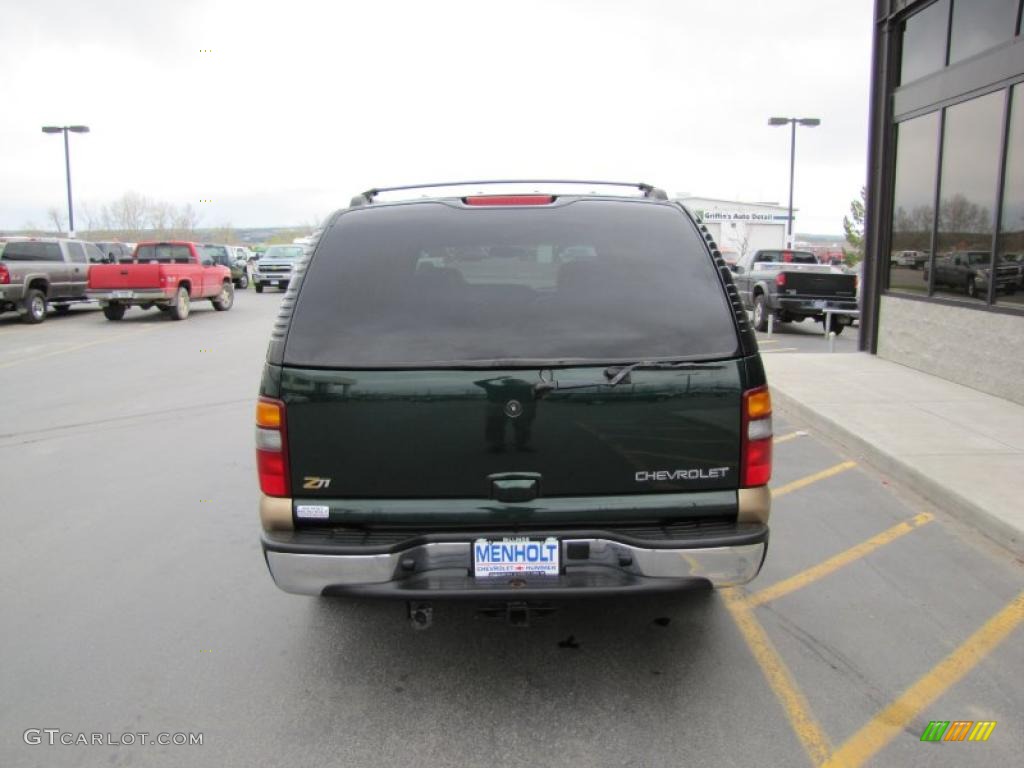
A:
135,599
806,336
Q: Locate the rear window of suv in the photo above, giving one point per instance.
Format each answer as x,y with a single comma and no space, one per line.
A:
31,251
433,284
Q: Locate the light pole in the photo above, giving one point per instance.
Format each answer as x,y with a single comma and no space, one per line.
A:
792,121
67,163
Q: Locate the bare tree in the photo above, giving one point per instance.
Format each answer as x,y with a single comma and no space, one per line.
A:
129,214
88,214
160,217
958,214
225,233
743,243
186,219
57,218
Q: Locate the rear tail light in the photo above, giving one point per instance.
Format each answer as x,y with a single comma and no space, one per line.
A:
756,442
272,447
5,275
510,200
780,279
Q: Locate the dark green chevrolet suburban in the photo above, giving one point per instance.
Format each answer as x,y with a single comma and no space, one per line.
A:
513,397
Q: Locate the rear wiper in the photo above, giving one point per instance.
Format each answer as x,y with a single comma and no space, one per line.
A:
615,374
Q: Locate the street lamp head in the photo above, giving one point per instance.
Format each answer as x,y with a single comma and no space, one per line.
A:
62,128
812,121
778,121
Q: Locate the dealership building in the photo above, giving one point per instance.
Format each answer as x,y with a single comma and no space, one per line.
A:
738,227
944,273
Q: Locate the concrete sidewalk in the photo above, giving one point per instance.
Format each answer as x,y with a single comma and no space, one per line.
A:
961,449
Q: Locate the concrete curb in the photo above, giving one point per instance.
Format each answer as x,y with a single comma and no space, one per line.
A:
960,507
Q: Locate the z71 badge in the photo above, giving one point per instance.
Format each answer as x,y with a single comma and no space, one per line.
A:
315,483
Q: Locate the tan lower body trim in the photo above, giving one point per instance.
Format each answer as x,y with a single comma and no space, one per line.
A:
276,513
755,505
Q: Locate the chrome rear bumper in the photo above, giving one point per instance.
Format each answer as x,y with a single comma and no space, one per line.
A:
444,569
105,296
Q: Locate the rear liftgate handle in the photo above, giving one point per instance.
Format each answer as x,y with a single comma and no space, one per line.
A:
511,487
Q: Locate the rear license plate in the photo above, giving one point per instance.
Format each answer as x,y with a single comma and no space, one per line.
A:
121,294
518,557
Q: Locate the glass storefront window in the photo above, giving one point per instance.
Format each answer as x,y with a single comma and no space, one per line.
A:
917,152
979,25
924,42
967,198
1011,227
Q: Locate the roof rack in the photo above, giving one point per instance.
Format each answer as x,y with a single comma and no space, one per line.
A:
649,191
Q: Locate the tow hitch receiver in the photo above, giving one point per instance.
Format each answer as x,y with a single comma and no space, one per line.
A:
517,613
421,615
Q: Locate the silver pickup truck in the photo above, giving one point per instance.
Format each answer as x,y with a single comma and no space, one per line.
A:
39,271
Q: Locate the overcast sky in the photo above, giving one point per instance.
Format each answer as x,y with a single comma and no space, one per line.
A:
299,105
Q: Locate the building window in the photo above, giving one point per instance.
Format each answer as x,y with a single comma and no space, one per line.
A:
924,42
917,153
1011,222
979,25
967,197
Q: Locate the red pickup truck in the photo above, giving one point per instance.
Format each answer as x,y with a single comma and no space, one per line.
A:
168,275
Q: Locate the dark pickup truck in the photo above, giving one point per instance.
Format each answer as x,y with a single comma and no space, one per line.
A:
792,286
971,271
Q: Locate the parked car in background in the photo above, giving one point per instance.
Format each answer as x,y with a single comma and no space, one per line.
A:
792,286
857,270
971,272
115,251
1016,261
730,257
277,266
168,275
832,256
232,258
431,426
912,259
36,272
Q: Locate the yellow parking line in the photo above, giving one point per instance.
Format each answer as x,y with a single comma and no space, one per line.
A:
796,485
767,341
780,349
814,740
891,721
804,578
790,436
118,337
